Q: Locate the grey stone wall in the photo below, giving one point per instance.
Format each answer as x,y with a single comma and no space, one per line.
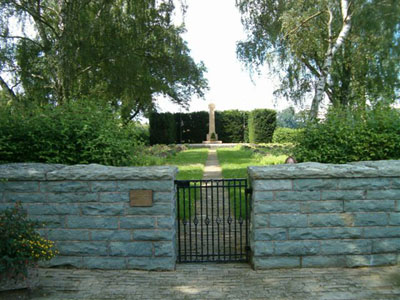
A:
87,213
323,215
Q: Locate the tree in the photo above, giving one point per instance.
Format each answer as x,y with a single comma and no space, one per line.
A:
346,50
290,119
122,52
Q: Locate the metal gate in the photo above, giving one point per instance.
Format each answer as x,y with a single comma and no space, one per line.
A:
213,220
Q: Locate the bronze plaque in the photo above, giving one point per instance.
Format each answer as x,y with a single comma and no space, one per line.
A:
141,197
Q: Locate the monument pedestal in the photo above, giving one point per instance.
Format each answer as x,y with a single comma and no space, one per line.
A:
212,142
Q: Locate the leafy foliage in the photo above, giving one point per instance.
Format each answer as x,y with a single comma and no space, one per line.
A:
286,135
288,118
191,127
20,243
348,135
69,134
262,123
162,128
123,53
231,125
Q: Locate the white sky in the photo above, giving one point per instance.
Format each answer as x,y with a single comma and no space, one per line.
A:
213,28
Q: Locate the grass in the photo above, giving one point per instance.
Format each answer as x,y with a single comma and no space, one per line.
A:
190,163
234,161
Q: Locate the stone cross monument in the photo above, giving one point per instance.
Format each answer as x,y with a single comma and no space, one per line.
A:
212,136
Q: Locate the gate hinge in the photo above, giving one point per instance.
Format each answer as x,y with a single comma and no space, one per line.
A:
249,191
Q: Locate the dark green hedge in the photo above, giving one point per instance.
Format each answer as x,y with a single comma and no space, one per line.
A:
347,136
162,128
191,127
262,123
231,125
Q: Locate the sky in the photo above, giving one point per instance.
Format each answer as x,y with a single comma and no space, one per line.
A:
213,28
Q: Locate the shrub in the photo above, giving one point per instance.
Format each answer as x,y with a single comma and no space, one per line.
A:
162,128
20,243
286,135
347,136
73,133
262,123
231,125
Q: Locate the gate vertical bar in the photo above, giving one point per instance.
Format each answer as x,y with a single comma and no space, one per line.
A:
179,225
212,216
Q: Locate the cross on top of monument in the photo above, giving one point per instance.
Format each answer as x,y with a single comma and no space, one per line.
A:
212,137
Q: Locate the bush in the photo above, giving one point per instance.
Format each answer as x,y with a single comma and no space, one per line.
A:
231,125
73,133
20,243
162,128
347,136
262,123
286,135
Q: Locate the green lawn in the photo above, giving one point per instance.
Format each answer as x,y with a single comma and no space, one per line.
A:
234,161
190,163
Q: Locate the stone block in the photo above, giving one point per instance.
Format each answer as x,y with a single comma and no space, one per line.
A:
364,183
92,222
324,233
383,195
322,206
152,263
163,197
386,245
153,235
270,234
272,185
107,263
25,197
353,261
314,184
276,207
158,209
382,232
370,219
104,186
369,205
50,221
164,249
262,196
335,247
137,222
396,183
154,185
260,220
63,261
71,197
288,220
111,235
274,262
21,186
166,222
68,235
53,209
79,248
100,209
131,249
4,206
114,197
65,186
343,195
324,220
297,195
297,248
324,261
262,248
394,219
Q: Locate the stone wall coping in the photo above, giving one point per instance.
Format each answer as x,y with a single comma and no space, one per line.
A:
383,168
56,172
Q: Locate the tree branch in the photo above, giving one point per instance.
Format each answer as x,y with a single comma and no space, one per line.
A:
7,89
303,23
22,38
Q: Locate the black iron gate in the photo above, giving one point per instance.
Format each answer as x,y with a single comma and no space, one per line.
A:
213,219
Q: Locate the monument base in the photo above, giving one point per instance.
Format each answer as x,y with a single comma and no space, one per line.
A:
212,142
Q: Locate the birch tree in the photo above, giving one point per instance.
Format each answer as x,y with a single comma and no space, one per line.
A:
345,50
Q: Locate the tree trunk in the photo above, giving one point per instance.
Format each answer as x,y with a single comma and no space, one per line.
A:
329,56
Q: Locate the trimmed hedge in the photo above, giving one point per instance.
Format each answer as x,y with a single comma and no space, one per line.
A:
347,136
191,127
231,125
162,128
286,135
262,124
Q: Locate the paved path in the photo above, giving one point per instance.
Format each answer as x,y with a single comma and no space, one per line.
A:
219,281
212,169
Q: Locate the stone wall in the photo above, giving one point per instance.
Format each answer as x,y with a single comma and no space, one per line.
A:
322,215
87,212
